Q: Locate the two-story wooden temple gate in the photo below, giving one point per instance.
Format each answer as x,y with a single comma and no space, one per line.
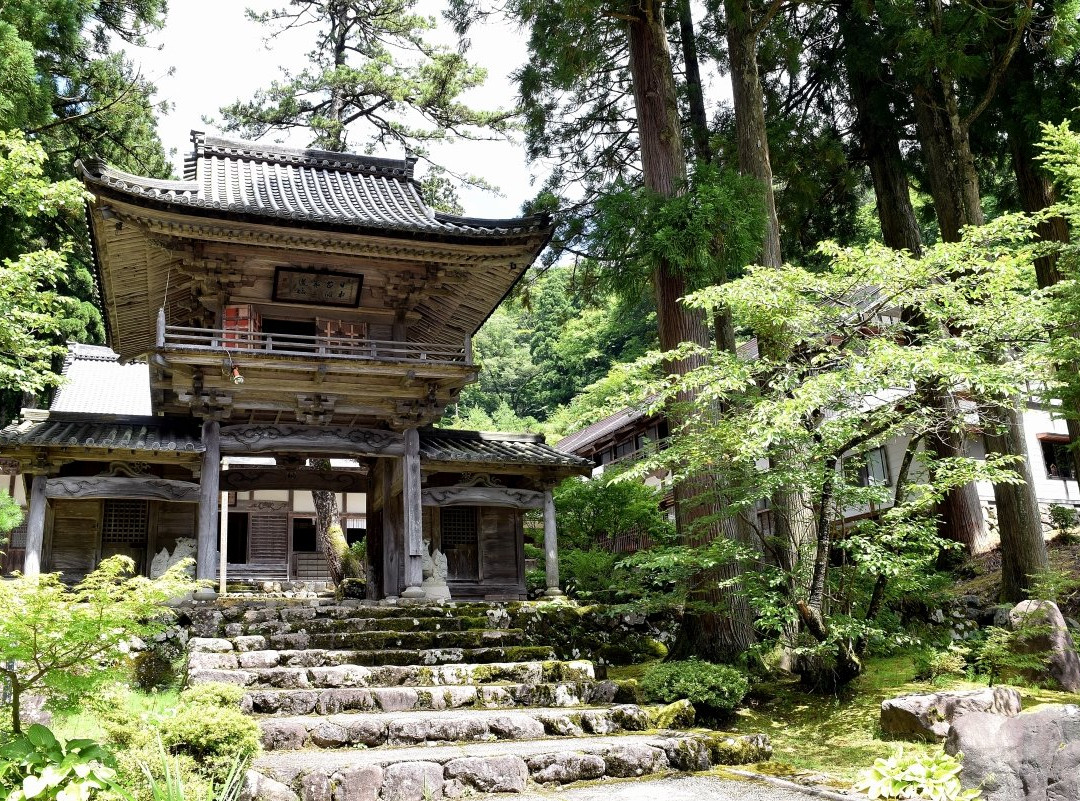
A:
288,306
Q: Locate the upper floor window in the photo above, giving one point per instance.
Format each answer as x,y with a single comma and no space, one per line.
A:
1056,456
874,469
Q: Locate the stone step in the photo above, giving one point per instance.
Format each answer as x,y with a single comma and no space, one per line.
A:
279,669
209,620
426,772
321,657
412,640
337,625
404,699
470,725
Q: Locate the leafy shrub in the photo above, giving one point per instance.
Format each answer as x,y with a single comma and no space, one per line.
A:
36,765
212,735
935,776
214,693
167,784
589,574
714,690
592,511
933,664
1064,519
1058,586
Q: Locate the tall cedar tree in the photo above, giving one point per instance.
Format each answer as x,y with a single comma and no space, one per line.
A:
944,118
372,82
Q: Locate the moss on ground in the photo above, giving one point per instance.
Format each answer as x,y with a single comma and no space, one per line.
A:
838,735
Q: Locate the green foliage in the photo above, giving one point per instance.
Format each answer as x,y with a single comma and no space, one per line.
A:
1058,586
901,775
196,744
594,511
171,786
590,574
63,643
354,560
1005,655
36,765
33,309
714,690
213,736
708,233
212,694
934,665
1064,519
11,515
373,80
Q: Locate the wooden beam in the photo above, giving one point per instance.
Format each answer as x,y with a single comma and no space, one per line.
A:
268,438
148,488
242,479
483,496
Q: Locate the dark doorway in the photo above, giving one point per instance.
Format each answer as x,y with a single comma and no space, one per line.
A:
237,550
303,535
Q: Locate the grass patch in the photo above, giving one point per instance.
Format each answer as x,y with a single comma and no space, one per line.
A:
87,723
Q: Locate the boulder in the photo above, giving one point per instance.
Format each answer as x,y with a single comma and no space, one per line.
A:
637,759
1051,638
359,784
316,787
928,716
1029,757
516,728
563,768
412,781
497,774
283,735
262,788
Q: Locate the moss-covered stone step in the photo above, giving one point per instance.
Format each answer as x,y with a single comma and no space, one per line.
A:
372,730
229,616
280,702
416,773
274,669
319,657
412,640
338,625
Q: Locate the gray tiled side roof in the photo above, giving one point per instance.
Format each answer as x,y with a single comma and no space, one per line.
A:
97,383
579,439
448,445
305,186
131,436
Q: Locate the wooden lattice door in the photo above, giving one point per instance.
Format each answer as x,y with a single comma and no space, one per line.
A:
124,527
460,542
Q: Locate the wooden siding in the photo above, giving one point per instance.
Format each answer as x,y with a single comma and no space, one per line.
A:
174,521
268,538
76,533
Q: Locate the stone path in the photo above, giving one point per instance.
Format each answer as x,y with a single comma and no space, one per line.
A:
673,788
359,702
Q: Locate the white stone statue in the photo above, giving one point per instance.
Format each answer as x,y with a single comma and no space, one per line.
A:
185,549
435,572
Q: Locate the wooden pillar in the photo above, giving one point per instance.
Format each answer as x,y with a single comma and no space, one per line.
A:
414,521
551,547
391,553
35,526
223,536
209,482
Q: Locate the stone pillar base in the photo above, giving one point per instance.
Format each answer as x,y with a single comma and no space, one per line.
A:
554,592
413,592
204,594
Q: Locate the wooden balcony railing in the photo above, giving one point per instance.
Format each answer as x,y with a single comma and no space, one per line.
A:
176,337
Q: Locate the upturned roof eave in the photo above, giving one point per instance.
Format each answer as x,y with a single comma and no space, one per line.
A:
536,230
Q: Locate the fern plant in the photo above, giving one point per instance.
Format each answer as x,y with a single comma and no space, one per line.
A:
935,777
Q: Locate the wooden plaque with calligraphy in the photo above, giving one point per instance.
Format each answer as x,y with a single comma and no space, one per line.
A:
318,288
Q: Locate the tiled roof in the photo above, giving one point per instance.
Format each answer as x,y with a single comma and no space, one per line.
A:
447,445
97,383
601,428
315,186
130,436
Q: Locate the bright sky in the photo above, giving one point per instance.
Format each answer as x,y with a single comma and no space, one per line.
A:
217,56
